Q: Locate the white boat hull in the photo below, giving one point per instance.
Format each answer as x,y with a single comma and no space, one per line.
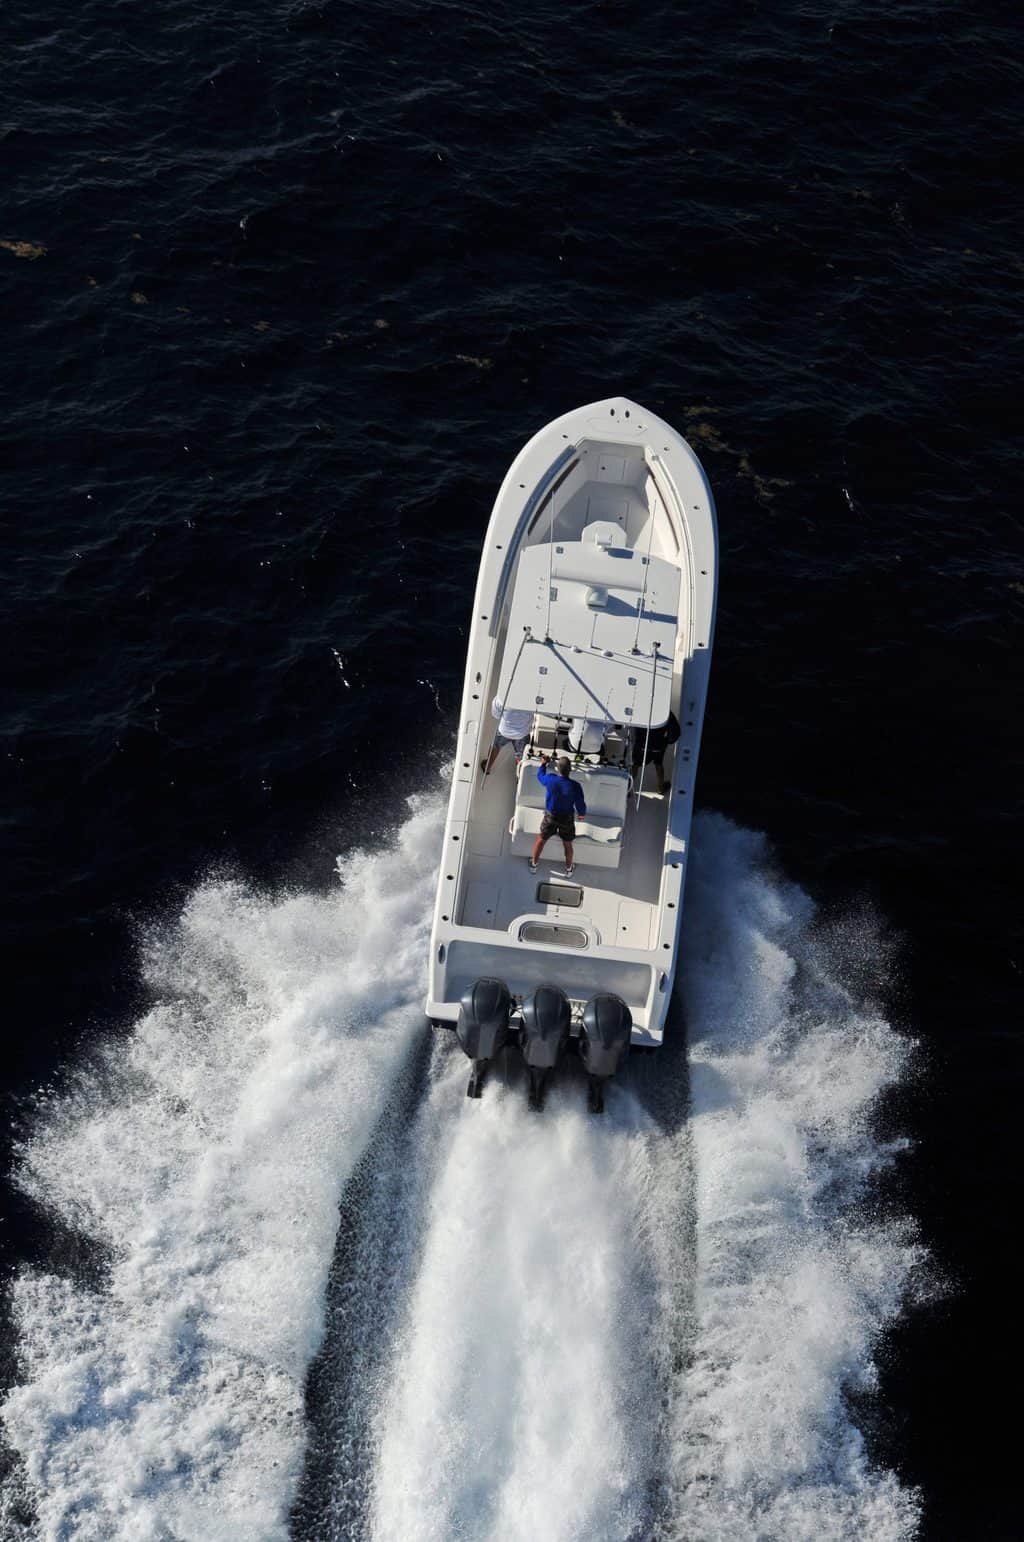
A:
606,481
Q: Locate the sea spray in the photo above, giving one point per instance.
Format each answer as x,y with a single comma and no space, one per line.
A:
549,1326
794,1282
206,1154
520,1387
642,1326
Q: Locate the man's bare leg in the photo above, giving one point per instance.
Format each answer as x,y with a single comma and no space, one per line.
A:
538,847
567,848
485,765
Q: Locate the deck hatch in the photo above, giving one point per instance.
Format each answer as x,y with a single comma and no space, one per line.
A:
559,894
554,935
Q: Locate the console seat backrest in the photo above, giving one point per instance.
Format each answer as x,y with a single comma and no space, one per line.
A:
605,788
615,745
599,831
544,729
530,793
606,792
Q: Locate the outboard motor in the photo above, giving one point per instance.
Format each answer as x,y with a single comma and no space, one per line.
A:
604,1043
546,1018
483,1027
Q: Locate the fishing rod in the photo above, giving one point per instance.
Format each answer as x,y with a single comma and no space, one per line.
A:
643,596
527,637
650,709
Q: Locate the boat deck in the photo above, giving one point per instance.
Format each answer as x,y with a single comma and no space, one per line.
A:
497,888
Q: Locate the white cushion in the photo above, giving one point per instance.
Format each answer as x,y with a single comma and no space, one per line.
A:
597,827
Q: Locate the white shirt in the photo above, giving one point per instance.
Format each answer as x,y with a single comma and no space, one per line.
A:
586,735
511,724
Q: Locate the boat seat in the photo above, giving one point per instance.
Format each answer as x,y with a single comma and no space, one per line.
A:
544,733
615,745
592,827
599,831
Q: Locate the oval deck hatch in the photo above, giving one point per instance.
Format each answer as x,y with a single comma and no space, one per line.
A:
555,936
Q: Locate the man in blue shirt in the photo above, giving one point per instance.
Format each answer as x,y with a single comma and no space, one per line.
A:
563,801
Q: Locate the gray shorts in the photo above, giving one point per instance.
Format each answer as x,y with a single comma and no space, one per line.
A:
519,745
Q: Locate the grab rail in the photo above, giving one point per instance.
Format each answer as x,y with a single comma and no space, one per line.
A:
523,525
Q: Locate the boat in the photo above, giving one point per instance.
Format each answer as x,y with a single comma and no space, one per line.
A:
593,620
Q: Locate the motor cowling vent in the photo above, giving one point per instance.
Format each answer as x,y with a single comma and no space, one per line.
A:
546,1019
484,1012
605,1035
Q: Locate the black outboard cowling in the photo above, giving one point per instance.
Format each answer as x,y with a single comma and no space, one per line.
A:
546,1019
604,1043
482,1027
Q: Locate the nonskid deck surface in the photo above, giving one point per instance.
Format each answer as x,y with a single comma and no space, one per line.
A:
619,501
620,902
622,503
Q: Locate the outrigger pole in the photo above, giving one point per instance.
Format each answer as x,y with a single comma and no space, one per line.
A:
650,709
527,637
643,595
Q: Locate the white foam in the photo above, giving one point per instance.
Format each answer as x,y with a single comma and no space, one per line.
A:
519,1383
793,1286
628,1327
572,1365
208,1153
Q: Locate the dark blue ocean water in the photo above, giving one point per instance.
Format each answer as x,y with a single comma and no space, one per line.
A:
283,292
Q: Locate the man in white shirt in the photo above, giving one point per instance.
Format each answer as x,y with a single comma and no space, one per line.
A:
586,735
513,728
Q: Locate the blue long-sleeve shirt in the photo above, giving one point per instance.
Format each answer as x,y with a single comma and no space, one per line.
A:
563,795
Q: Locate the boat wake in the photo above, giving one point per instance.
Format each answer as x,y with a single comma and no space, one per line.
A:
795,1278
651,1325
206,1154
